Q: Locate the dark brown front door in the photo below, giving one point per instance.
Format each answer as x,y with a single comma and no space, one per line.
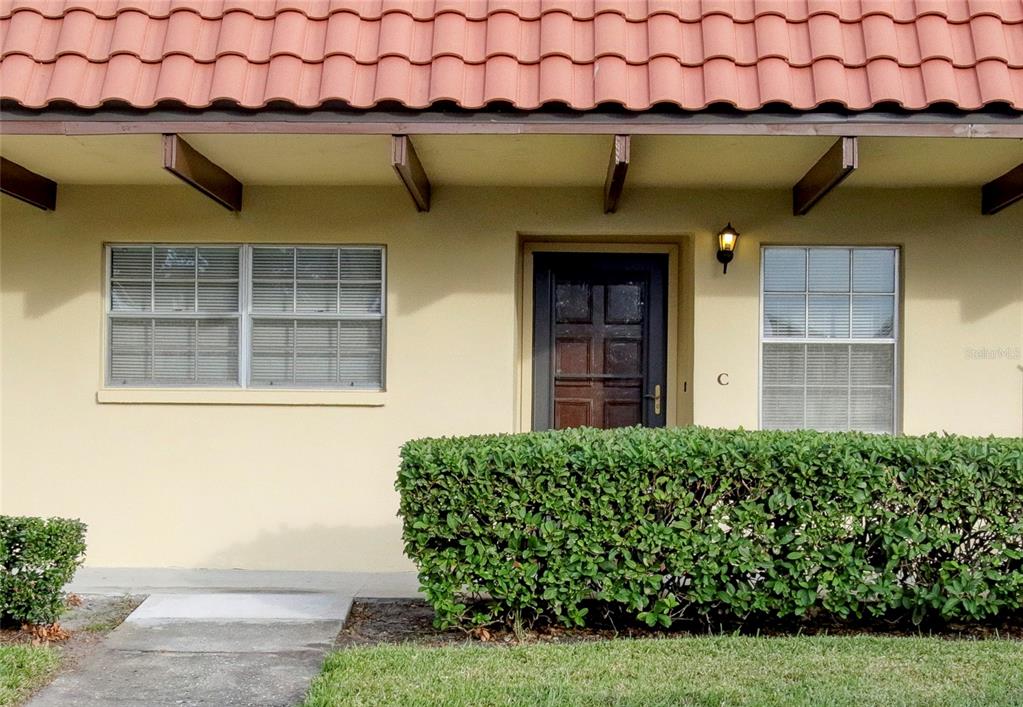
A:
599,340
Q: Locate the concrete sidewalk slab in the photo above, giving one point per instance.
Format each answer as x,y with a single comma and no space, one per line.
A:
116,678
226,648
242,606
224,637
164,580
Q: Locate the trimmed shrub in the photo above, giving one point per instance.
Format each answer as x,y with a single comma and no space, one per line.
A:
686,522
38,556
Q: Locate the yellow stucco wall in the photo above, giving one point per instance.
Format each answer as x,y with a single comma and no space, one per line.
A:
311,486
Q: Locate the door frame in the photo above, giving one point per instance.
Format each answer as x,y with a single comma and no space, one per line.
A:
524,416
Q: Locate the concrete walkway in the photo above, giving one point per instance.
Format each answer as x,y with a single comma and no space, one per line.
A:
200,640
134,580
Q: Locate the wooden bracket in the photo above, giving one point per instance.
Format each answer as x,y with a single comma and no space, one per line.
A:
837,163
617,168
28,186
1002,192
410,171
192,167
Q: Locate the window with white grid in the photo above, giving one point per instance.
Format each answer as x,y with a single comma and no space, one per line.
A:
829,334
249,316
317,317
174,315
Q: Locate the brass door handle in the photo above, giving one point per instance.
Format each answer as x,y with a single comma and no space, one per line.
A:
656,397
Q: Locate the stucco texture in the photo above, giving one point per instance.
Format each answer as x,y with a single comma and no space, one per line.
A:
310,486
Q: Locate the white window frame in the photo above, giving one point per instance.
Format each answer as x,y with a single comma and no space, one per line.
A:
895,340
245,365
244,316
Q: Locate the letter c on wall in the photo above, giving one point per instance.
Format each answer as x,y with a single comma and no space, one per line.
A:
722,379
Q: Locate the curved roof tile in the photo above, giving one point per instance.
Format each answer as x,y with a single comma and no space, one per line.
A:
581,53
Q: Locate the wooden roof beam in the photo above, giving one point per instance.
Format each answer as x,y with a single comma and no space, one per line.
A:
1002,192
617,168
831,169
194,168
410,171
24,184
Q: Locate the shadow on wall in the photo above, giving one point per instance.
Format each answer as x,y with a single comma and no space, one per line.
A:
945,241
318,547
941,230
68,241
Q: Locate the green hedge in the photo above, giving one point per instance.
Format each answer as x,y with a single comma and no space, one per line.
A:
38,556
663,524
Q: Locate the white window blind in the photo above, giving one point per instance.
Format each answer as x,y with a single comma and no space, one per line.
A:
317,317
246,315
828,335
174,317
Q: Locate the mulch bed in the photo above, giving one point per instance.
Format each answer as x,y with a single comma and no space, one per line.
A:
390,621
82,627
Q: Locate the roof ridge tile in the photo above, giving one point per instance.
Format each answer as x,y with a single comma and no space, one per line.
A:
1008,11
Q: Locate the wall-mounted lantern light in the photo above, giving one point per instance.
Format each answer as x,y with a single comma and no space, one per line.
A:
727,238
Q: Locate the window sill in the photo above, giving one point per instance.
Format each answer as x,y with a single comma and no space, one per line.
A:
235,396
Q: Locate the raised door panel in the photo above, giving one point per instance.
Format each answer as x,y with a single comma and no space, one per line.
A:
573,413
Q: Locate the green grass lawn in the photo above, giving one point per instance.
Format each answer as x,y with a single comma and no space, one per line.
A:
23,669
682,671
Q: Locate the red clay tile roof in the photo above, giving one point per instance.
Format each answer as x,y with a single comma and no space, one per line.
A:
526,53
